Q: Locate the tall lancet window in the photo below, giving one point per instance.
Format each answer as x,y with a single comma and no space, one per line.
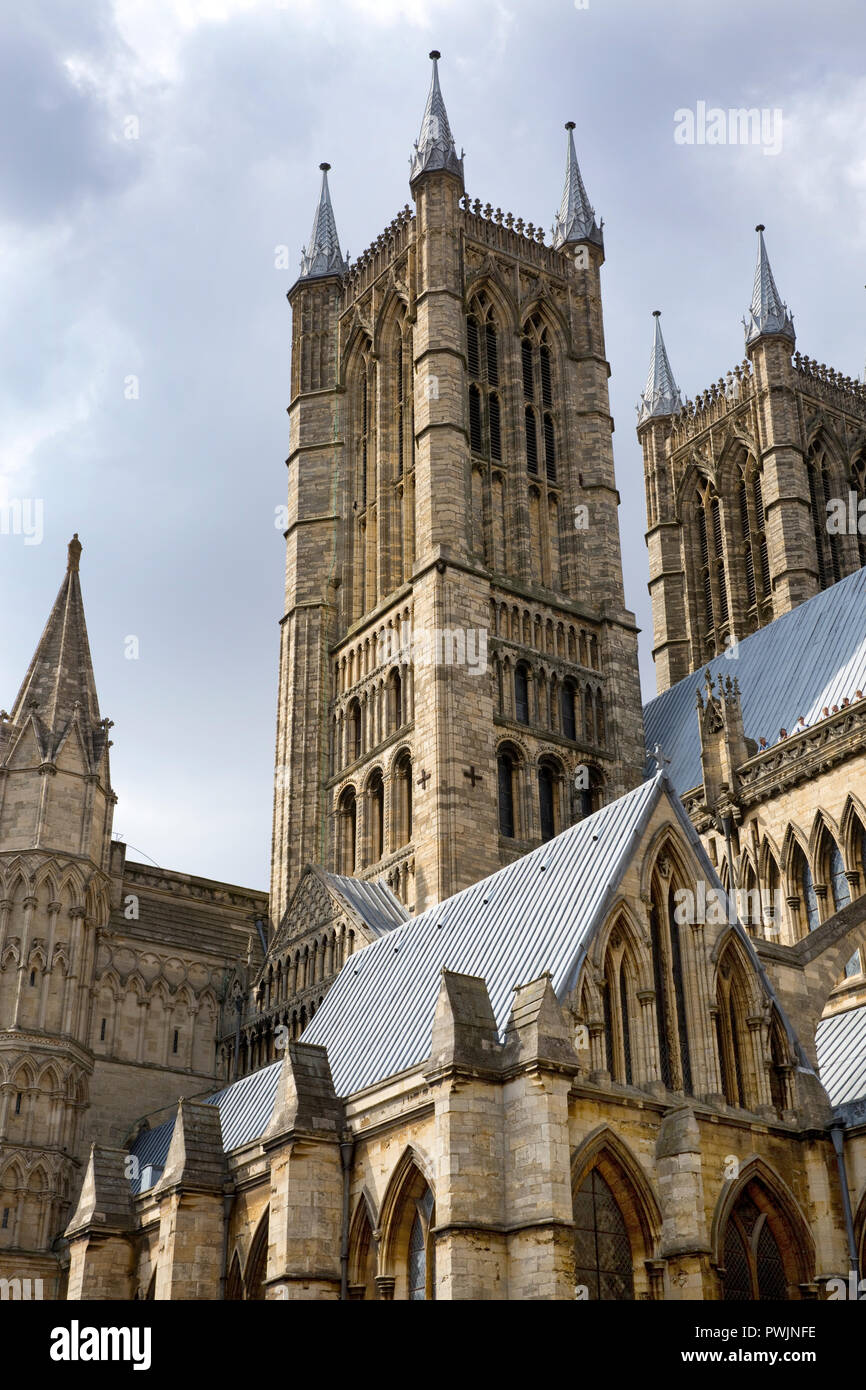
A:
858,486
485,423
821,491
710,572
363,499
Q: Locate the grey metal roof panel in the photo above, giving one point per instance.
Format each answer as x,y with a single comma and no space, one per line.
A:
806,659
841,1043
374,902
151,1149
245,1106
531,917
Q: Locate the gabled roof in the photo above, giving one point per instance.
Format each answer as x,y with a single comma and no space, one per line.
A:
536,915
370,905
805,660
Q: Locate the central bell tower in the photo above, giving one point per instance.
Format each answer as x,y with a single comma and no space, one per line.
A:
458,676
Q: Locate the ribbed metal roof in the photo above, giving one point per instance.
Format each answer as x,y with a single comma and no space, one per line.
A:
374,902
841,1043
532,916
151,1150
806,659
245,1108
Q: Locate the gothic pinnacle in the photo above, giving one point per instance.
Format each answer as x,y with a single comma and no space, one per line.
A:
323,256
661,395
435,148
767,314
576,219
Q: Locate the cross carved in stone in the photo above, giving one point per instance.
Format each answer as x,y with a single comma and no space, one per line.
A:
424,779
472,774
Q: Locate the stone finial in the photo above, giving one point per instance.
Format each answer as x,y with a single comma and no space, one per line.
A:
306,1099
464,1028
195,1161
105,1203
537,1030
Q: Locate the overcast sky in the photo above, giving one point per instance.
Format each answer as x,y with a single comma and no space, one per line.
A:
154,153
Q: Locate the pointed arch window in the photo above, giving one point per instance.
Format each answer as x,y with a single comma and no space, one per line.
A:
838,882
820,493
531,440
858,486
482,362
754,1268
603,1254
807,889
731,1009
671,1018
549,448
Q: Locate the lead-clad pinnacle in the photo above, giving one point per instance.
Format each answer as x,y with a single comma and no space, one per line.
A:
435,148
768,314
576,220
323,256
661,396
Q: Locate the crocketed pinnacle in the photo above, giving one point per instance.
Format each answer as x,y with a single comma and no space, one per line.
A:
661,396
323,256
60,679
435,148
576,220
768,314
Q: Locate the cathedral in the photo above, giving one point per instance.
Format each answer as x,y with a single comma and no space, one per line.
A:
552,996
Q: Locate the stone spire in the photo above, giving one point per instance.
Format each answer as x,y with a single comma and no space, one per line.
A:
60,681
661,395
576,220
435,148
768,314
323,257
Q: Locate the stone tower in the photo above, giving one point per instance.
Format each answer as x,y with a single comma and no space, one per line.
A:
56,807
753,489
458,675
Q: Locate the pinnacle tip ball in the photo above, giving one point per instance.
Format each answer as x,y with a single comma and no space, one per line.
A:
569,125
434,54
760,227
324,168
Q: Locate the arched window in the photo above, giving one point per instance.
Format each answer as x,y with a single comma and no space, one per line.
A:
395,700
348,823
619,1010
754,1268
567,693
547,800
803,875
482,361
549,448
402,810
821,491
731,1036
666,941
521,693
376,793
475,419
588,784
838,882
353,715
711,574
531,440
603,1255
858,486
506,765
257,1262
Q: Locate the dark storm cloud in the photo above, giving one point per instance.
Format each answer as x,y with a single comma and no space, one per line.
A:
56,143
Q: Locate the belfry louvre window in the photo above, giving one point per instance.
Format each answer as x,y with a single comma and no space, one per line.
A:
531,440
602,1249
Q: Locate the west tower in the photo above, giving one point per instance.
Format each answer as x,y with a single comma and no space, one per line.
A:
750,488
458,675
